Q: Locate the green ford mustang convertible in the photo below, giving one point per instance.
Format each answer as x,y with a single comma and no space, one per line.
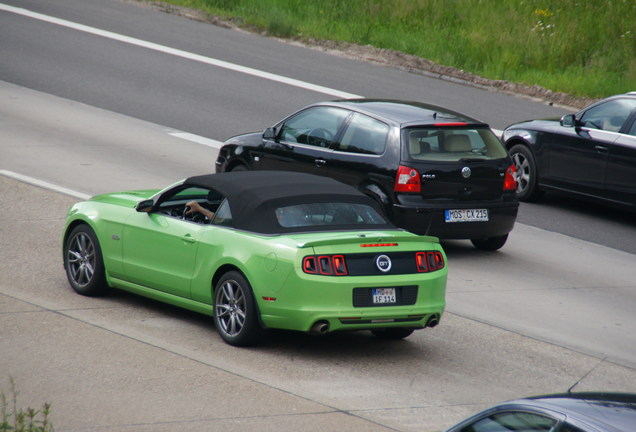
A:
258,250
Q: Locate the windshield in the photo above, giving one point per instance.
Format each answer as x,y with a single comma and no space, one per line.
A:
451,144
328,214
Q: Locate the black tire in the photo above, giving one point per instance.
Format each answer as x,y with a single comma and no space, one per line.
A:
83,262
393,333
239,167
490,243
527,189
235,311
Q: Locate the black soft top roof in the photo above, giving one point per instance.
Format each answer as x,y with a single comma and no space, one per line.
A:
254,195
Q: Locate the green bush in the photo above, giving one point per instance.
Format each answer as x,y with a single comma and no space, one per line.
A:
577,47
16,419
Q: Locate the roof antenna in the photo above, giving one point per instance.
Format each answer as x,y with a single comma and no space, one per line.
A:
434,116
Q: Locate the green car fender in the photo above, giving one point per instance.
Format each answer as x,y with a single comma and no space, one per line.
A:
263,261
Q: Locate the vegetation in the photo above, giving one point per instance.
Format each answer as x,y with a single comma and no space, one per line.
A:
16,419
585,48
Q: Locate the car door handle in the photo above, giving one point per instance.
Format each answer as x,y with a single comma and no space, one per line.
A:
600,148
319,162
188,238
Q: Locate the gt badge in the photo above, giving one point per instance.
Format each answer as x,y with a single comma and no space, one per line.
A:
383,263
466,172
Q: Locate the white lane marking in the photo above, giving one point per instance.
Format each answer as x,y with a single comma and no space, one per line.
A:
189,56
197,139
179,53
43,184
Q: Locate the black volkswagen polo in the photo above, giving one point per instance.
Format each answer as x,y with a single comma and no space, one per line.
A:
434,171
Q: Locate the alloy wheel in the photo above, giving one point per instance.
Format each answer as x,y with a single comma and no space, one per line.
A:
523,171
231,308
81,258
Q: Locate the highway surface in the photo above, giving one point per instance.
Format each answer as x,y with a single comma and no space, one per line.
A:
97,96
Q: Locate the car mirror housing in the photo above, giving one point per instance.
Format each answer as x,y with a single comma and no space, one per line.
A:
144,206
568,120
269,133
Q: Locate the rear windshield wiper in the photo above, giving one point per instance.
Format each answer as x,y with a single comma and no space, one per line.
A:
473,159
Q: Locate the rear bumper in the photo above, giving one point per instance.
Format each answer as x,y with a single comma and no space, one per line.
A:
425,218
311,299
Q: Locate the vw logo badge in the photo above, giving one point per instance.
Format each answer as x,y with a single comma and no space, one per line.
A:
466,172
383,263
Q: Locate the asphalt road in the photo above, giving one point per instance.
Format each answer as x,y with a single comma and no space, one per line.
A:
518,322
555,306
217,102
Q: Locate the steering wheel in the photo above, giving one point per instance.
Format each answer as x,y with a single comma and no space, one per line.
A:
194,217
319,136
185,215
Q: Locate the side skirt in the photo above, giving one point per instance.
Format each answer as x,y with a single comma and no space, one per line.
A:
161,296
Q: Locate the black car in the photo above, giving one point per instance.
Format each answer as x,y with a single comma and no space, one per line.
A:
434,171
568,412
590,154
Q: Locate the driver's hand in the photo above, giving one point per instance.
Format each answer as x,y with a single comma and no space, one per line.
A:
193,207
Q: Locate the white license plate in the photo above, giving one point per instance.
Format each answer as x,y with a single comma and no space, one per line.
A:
467,215
384,295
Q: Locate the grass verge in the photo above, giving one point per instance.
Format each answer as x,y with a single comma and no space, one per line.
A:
585,49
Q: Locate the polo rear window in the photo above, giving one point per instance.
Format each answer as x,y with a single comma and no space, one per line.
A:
451,144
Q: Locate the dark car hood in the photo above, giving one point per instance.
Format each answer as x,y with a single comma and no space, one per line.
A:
540,124
251,138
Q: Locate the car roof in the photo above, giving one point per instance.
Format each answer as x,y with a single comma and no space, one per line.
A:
403,113
603,410
254,195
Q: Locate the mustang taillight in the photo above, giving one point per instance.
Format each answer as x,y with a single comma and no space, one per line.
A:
407,180
429,261
328,265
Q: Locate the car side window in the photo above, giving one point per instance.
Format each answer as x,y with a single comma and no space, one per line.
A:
609,116
364,135
174,203
632,130
315,126
569,428
223,215
518,421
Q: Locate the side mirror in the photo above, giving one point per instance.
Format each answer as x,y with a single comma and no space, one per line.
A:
568,120
145,206
269,133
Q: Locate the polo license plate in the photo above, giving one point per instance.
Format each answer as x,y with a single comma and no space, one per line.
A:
467,215
383,295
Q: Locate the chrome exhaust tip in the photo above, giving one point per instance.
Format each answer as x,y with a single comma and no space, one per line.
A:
432,321
320,328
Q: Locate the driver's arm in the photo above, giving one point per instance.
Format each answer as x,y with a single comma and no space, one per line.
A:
194,206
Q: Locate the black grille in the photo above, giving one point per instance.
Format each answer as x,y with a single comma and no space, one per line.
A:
404,296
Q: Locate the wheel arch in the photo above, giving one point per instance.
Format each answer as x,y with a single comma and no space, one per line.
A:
70,226
518,140
226,268
379,194
223,269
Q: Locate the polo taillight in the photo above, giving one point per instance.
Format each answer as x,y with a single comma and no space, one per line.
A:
510,179
327,265
407,180
429,261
